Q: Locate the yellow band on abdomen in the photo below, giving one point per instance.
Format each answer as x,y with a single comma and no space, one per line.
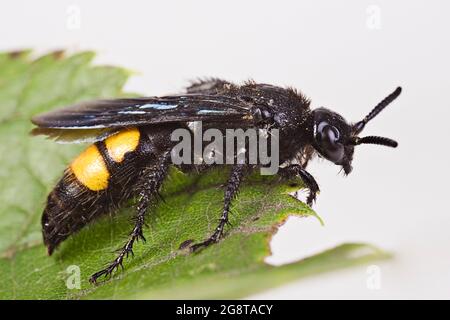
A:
121,143
90,169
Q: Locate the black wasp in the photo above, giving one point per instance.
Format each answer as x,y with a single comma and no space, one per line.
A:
130,156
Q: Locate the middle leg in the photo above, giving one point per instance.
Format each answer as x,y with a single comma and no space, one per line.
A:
234,181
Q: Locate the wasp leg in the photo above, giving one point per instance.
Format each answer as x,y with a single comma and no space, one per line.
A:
151,180
236,176
207,86
308,179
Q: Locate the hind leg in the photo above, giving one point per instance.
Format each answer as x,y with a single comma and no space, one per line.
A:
150,182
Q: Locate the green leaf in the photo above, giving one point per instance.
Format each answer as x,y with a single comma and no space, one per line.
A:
30,166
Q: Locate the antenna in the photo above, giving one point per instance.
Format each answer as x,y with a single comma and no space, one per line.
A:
382,141
359,126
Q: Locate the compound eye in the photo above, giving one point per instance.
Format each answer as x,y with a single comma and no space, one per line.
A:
328,139
329,135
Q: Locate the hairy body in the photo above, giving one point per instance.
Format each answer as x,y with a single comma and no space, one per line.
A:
131,154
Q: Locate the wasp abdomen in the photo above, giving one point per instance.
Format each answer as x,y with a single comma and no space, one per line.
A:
95,183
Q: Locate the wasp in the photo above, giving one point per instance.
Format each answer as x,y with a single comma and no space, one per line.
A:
130,154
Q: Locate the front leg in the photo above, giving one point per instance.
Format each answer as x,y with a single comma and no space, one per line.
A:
236,176
308,179
150,182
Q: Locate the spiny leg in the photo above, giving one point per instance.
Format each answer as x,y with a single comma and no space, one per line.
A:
308,179
236,176
206,86
150,182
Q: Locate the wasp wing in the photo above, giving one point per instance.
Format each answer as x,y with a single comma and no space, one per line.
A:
118,113
75,136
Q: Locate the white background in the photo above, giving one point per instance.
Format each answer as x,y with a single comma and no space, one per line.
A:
344,55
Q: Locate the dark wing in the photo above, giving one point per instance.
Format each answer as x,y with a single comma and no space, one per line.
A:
102,114
75,136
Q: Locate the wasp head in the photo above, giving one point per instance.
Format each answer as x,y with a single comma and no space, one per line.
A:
335,138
